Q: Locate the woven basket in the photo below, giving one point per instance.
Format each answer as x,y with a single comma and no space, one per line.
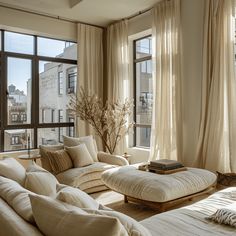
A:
227,179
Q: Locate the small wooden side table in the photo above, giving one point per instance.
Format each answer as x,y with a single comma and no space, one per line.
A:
32,157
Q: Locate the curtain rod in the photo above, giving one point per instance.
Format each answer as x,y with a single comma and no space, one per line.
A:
137,14
48,15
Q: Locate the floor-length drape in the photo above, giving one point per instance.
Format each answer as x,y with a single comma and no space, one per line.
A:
217,134
166,132
90,67
117,66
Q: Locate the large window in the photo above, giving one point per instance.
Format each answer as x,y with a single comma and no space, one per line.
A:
142,91
36,75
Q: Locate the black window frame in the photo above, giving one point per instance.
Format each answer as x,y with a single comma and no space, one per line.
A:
35,58
135,61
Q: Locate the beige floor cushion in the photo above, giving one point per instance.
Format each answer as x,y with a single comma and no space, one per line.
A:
148,186
192,220
75,221
12,169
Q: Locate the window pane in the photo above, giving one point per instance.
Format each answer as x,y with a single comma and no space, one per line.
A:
52,136
19,73
19,43
143,136
53,97
17,139
57,48
144,99
143,47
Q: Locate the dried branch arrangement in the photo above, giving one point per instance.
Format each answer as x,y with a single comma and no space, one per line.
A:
110,121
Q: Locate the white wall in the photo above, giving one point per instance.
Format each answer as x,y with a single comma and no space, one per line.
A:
34,24
192,29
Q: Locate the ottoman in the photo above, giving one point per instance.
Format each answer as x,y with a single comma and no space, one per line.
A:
159,191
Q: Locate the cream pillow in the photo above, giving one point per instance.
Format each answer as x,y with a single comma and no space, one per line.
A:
133,227
59,161
17,197
225,215
40,181
87,140
64,220
75,197
12,169
80,155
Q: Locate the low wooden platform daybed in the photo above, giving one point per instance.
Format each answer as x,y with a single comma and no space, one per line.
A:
159,191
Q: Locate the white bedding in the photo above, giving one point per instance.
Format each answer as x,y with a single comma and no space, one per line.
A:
157,188
190,220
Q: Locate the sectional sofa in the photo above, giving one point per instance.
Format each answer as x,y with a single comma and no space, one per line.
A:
32,202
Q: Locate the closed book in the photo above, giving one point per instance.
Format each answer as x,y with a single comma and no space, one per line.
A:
165,167
164,163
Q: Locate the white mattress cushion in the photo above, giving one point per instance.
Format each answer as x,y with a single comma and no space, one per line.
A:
148,186
191,220
76,176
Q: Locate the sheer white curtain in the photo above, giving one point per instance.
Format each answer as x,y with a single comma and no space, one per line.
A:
217,134
166,133
117,66
90,67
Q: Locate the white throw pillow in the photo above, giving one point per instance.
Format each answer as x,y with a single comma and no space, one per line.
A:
80,155
40,181
67,220
133,227
17,197
75,197
12,169
225,215
87,140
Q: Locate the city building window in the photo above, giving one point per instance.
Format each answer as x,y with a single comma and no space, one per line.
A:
60,83
32,79
71,129
15,140
143,99
72,75
14,117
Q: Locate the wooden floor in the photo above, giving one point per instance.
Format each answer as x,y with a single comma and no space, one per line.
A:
116,201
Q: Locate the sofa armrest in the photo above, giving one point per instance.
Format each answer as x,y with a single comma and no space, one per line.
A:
112,159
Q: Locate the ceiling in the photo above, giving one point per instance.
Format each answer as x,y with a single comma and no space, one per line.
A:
97,12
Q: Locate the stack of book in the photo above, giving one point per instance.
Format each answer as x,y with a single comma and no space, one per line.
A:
165,166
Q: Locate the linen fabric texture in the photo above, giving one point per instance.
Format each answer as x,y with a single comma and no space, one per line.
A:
59,161
80,155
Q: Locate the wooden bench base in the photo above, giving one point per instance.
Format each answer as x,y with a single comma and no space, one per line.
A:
163,206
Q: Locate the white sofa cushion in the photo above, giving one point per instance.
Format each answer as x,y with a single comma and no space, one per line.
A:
77,176
75,197
87,140
80,155
63,220
133,227
40,181
17,197
12,169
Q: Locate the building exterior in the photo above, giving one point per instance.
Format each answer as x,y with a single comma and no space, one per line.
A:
57,81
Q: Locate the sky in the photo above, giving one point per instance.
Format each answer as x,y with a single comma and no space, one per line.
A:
19,70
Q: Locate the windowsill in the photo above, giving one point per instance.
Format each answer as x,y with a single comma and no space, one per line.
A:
140,148
19,152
